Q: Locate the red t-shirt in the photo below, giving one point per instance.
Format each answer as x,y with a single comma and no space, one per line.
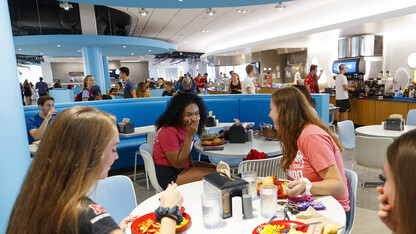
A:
316,152
168,139
200,82
313,84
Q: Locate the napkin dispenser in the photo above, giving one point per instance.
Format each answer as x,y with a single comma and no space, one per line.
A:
126,126
226,188
237,134
211,120
395,124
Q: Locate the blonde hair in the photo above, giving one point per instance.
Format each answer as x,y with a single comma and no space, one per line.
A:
67,164
294,113
141,89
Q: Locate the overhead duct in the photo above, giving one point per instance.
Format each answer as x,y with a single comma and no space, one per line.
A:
360,46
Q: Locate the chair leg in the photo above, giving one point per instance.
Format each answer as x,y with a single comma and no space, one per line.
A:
147,179
199,157
135,165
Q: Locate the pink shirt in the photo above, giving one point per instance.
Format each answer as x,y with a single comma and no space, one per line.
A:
316,152
168,139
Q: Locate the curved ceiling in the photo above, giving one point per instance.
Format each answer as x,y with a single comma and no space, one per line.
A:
178,4
70,45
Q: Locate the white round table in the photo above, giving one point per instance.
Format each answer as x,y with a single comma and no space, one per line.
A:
192,202
378,131
240,150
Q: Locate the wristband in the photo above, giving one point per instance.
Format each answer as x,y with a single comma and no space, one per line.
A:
308,186
173,213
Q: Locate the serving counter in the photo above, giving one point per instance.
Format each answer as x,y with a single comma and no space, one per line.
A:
373,111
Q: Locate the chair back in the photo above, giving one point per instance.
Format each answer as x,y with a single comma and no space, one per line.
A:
371,151
352,181
263,167
150,140
214,130
411,118
116,194
346,134
146,153
331,116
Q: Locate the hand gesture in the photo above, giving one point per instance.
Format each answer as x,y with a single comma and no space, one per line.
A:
192,127
384,210
171,197
124,223
294,188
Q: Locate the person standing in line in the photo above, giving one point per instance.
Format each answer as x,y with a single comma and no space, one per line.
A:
248,85
42,87
311,80
298,77
341,93
129,91
187,83
27,91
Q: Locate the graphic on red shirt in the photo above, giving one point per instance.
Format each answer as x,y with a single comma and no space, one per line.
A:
96,208
312,83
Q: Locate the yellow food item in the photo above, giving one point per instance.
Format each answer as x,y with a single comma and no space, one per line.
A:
294,231
269,229
217,140
150,226
330,229
183,224
208,142
268,180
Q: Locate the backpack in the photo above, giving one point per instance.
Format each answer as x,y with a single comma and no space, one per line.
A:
78,98
254,154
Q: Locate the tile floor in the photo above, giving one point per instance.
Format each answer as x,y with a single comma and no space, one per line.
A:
366,218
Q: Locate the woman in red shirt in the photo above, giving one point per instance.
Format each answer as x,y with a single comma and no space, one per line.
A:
183,118
311,154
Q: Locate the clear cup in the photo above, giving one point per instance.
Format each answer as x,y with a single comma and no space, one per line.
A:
251,178
211,210
268,200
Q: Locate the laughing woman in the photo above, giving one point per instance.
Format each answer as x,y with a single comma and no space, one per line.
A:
183,118
311,154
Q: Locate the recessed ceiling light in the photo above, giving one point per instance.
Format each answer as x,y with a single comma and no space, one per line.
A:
41,53
185,42
241,11
180,0
124,46
58,45
19,49
209,11
79,51
143,12
150,50
205,30
132,53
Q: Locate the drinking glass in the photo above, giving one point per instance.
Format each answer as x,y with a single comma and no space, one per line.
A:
268,200
211,210
251,178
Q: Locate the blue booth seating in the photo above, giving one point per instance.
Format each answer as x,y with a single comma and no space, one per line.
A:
156,92
145,111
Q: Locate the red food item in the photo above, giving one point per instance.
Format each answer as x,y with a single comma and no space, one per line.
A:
278,183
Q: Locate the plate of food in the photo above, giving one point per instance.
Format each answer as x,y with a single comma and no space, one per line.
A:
280,225
274,180
214,142
147,224
212,136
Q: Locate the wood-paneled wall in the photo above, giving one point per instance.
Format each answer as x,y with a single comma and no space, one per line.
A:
370,112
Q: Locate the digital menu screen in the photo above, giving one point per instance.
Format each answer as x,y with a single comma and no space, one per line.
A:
352,66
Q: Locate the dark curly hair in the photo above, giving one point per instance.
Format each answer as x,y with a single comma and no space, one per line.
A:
173,114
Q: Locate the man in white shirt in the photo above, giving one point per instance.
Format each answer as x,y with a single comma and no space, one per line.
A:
298,77
341,93
248,85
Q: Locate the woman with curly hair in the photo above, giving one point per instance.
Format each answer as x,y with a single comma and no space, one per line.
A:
183,118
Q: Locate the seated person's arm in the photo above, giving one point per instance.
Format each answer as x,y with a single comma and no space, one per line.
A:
38,133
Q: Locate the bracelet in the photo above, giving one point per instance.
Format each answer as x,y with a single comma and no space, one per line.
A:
173,213
308,186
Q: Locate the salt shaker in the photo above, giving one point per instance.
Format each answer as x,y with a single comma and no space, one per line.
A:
237,208
248,206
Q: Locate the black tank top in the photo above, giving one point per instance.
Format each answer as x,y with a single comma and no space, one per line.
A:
233,87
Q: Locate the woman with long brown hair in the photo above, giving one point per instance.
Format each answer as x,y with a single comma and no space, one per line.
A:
311,154
27,91
142,90
397,203
77,149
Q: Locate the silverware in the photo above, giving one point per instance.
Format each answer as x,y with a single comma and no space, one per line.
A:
294,227
259,229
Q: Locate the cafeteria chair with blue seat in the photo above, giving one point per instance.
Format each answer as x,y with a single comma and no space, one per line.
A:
146,153
232,162
352,180
150,139
331,118
116,195
346,134
411,118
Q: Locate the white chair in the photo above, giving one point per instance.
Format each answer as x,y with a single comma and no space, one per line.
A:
150,139
411,118
370,152
352,181
346,134
331,118
149,164
116,194
263,167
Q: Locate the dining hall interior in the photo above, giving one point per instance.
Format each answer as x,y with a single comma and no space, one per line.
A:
214,75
